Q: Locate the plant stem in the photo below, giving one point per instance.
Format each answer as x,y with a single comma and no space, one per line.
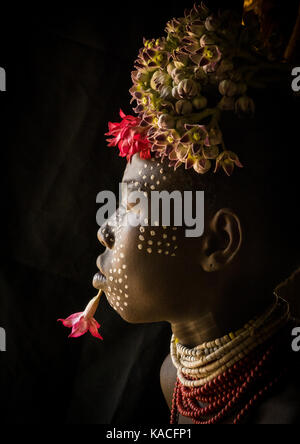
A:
193,118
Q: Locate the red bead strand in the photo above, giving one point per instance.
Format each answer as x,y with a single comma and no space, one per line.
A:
234,393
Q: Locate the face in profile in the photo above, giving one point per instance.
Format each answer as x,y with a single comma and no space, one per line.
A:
155,273
147,272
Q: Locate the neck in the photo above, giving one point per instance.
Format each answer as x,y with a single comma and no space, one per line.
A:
220,321
193,332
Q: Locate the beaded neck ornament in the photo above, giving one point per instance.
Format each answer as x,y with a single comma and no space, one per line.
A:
207,65
227,377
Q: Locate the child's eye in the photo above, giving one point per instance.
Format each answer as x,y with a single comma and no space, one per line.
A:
130,206
125,206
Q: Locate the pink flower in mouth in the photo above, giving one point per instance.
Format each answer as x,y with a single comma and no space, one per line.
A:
84,321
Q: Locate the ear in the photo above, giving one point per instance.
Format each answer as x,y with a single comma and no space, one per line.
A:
222,241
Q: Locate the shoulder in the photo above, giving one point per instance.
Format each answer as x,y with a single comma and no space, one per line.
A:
168,376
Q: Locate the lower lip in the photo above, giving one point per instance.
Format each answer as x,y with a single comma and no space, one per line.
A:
99,280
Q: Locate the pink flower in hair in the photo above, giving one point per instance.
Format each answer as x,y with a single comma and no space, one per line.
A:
130,137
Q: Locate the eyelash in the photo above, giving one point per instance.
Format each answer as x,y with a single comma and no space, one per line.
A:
128,207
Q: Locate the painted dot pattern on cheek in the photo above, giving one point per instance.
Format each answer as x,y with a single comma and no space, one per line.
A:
151,240
161,241
118,291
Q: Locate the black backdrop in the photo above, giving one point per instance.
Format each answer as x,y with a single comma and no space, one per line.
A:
68,73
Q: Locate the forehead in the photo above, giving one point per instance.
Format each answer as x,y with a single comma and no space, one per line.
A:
154,175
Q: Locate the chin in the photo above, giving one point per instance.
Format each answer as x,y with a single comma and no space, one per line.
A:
134,318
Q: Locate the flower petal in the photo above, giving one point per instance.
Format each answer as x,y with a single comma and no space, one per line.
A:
80,328
93,328
122,114
71,320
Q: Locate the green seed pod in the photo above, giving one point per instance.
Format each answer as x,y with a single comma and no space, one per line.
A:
200,102
184,107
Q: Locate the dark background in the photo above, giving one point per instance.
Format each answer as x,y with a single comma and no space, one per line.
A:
68,74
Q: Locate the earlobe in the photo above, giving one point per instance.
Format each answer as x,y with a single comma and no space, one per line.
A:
223,240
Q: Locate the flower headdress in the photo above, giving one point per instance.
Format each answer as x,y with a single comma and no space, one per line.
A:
182,85
184,82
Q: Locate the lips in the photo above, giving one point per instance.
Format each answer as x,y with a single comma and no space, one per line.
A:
99,279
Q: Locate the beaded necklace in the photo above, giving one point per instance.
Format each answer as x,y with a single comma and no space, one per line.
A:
230,375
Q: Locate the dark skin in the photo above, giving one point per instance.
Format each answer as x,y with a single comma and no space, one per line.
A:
204,287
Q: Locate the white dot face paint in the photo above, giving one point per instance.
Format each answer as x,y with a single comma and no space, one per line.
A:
161,241
120,293
164,241
152,243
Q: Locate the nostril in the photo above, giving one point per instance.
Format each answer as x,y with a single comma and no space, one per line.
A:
100,236
105,237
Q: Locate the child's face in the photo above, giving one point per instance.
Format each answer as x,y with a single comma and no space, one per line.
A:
149,271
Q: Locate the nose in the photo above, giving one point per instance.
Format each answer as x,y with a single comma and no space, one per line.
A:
106,236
